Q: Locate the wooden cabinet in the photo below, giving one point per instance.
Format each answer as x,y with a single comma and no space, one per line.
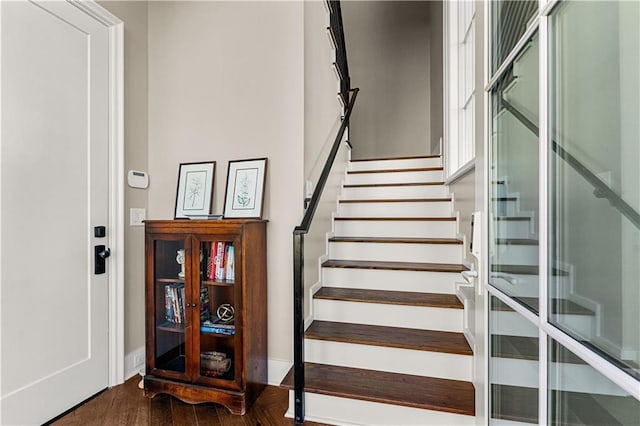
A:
206,310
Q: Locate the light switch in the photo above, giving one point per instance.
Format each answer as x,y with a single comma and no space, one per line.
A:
137,217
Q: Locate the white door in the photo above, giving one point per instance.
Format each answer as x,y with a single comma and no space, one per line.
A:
54,191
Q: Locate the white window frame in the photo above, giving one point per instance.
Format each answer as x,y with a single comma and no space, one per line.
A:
459,88
546,329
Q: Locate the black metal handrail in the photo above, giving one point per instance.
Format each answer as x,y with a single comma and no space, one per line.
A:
298,268
602,190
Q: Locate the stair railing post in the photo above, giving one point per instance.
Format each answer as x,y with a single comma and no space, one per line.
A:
298,326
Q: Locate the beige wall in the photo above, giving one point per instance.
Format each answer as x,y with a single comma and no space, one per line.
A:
321,107
322,113
226,83
435,79
134,15
388,50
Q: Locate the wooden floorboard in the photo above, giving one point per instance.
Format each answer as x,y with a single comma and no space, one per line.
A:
395,240
453,396
407,298
396,266
392,337
127,405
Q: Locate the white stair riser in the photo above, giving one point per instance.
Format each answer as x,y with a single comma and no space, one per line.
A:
405,209
410,163
515,255
388,192
400,252
509,323
520,285
513,324
424,318
381,279
512,228
395,177
393,360
570,377
505,207
501,422
344,411
583,325
399,229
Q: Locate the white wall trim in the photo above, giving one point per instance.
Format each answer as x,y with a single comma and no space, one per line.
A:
461,172
116,184
131,364
277,369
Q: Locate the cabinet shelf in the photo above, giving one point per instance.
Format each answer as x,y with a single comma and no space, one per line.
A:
219,283
170,326
170,280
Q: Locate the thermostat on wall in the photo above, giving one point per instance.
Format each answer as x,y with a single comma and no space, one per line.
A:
138,179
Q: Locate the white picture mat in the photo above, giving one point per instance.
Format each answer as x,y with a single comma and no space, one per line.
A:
245,189
195,186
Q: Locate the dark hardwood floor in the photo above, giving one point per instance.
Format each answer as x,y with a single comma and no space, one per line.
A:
127,405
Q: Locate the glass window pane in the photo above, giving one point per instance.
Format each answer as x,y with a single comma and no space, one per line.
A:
509,21
594,184
514,180
513,366
580,395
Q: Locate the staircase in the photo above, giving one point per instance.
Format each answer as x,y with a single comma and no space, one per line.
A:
386,343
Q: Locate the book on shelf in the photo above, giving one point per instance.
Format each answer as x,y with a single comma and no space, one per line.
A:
220,259
204,304
218,326
229,272
221,262
174,298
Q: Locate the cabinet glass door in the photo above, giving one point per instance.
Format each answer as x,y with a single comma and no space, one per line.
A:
219,319
170,328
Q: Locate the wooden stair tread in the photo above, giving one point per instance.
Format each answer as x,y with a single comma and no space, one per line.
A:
411,169
517,241
557,306
525,270
435,218
375,185
429,393
398,266
410,157
513,218
408,298
411,240
390,337
398,200
526,348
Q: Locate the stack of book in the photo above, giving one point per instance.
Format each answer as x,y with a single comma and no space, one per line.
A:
221,264
218,326
174,303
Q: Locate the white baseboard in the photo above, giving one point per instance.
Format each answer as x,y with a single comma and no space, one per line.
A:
277,368
131,367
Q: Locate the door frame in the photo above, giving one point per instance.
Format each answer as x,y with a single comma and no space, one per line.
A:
116,227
